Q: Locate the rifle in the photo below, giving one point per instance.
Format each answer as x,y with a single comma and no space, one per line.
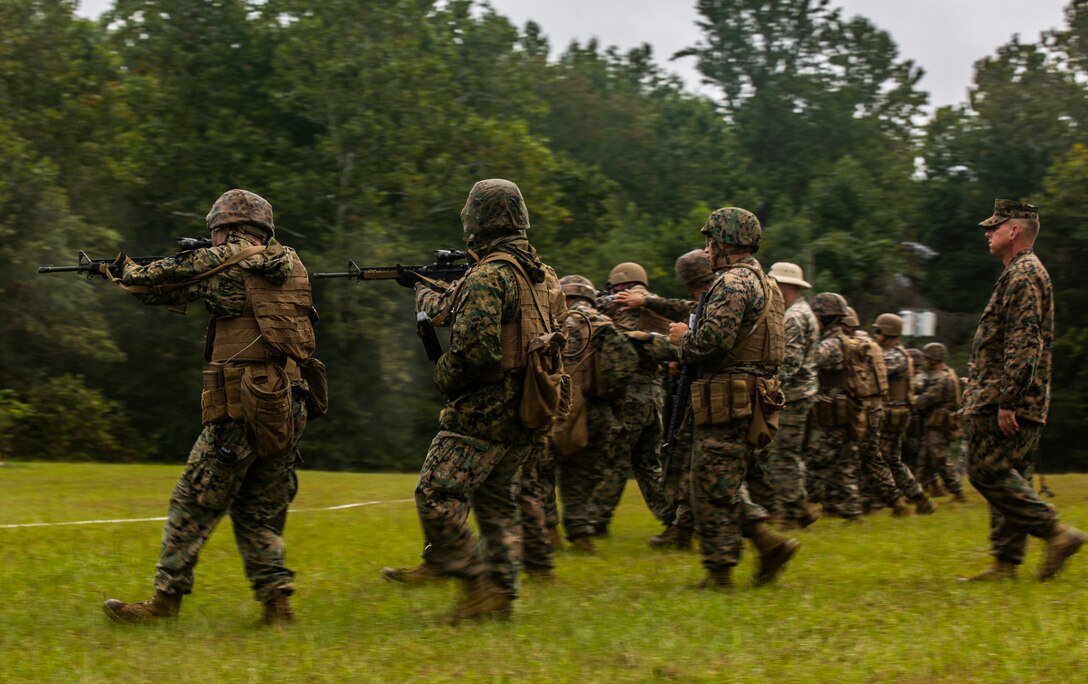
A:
92,267
680,398
425,330
445,268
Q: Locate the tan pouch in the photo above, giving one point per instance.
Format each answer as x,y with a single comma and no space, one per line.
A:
937,419
232,386
896,418
213,396
571,435
741,401
700,402
768,405
313,372
719,401
266,402
841,411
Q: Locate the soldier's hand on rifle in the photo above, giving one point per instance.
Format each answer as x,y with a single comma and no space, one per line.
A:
117,268
406,278
630,300
676,331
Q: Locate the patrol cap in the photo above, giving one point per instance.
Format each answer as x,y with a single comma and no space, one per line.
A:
1005,209
789,274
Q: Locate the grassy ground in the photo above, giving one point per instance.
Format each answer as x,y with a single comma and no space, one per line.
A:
873,602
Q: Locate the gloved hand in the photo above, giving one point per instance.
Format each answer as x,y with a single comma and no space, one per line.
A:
406,278
117,268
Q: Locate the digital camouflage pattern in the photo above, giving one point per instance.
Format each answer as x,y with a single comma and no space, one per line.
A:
1001,469
937,396
891,441
494,207
798,372
784,465
579,474
721,455
1005,209
693,269
535,486
734,226
1011,358
223,473
832,460
241,206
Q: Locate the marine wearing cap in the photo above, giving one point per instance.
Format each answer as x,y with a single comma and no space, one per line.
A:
1005,209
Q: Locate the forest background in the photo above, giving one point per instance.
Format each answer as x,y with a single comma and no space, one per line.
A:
366,123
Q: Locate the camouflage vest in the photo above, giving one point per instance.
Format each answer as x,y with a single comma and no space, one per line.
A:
863,374
765,342
899,393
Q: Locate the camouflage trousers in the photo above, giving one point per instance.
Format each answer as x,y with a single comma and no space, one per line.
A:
225,474
581,473
935,460
832,470
547,472
536,485
784,468
637,449
1001,469
462,472
719,496
875,475
891,450
677,492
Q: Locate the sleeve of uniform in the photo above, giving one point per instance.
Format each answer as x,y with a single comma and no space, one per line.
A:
720,322
476,335
795,348
619,360
672,309
175,269
934,392
1023,340
830,354
434,303
895,361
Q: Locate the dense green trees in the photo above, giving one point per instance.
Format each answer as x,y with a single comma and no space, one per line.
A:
366,123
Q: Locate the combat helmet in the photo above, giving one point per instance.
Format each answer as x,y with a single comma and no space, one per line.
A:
578,286
935,351
693,269
734,226
628,272
241,206
494,207
916,355
829,304
888,325
851,318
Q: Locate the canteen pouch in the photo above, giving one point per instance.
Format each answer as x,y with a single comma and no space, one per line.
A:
571,435
232,385
266,403
546,391
768,405
213,396
842,411
740,402
313,372
700,402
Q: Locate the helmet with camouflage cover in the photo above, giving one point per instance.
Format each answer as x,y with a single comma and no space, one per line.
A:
888,325
578,286
935,351
734,226
829,304
851,318
628,272
916,355
693,269
241,207
494,207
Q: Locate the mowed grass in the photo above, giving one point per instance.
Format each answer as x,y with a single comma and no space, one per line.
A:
879,601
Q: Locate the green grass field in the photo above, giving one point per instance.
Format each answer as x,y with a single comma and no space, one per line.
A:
873,602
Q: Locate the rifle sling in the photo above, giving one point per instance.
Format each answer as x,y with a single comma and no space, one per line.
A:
170,287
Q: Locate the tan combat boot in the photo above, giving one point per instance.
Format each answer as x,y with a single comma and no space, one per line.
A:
1063,543
999,571
424,573
665,540
162,605
901,508
959,497
277,612
775,550
555,539
483,598
539,575
716,580
924,505
583,544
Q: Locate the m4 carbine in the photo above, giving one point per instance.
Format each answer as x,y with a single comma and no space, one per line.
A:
93,267
446,268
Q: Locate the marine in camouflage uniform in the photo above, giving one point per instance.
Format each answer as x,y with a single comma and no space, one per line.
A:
1008,396
887,328
785,465
936,405
737,343
228,470
638,448
482,446
602,361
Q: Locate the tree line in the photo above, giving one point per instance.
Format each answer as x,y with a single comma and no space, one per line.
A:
365,124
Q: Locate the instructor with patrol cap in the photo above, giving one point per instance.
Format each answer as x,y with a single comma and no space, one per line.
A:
1006,402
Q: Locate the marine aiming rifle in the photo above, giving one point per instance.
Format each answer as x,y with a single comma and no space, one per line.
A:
93,267
681,397
446,268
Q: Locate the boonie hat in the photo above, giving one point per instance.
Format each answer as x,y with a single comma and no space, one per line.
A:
790,274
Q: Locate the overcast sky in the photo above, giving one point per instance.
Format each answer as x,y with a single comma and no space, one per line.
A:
945,37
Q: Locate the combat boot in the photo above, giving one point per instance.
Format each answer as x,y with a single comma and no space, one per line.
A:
162,605
811,515
539,575
583,544
601,530
1063,543
959,497
924,505
683,538
665,540
775,550
901,508
424,573
277,612
936,490
483,598
716,580
555,539
999,571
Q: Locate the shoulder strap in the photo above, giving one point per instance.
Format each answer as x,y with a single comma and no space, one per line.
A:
520,270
